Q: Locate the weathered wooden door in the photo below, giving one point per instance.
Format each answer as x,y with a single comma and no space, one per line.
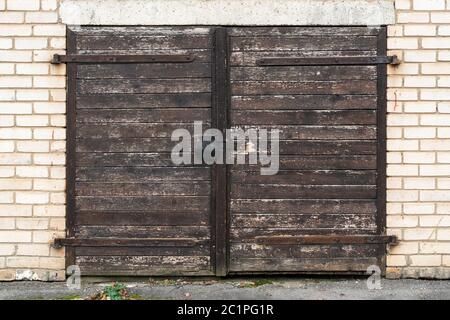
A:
131,211
319,212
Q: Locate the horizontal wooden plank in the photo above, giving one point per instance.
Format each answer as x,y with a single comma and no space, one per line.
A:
131,130
303,43
320,221
201,55
322,147
288,191
157,203
139,30
253,250
198,250
323,132
141,174
144,71
142,264
143,42
302,31
294,87
250,58
302,265
318,177
191,188
249,235
185,115
304,102
197,232
125,145
105,159
120,86
303,73
295,117
301,206
328,239
141,218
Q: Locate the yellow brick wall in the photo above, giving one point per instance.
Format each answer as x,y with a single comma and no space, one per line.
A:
32,140
32,133
419,140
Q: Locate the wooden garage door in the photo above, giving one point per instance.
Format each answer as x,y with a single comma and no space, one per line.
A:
130,209
318,213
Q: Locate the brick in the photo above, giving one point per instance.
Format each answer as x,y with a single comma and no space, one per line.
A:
419,157
7,250
15,133
402,170
49,5
32,146
49,211
403,43
419,106
41,17
6,95
6,44
435,144
396,261
32,197
7,223
444,55
15,159
405,248
443,183
425,260
402,120
22,5
6,146
58,146
413,17
402,221
22,262
57,224
395,31
32,223
33,250
444,132
14,210
435,43
402,195
57,120
443,208
32,68
50,107
394,208
435,221
11,17
6,172
419,30
49,30
420,81
435,120
7,275
52,263
444,107
419,132
30,43
419,183
402,4
394,133
419,234
32,95
50,159
46,236
58,94
16,30
405,68
32,121
418,208
15,82
15,108
434,170
445,261
57,172
394,183
444,81
444,30
440,17
45,55
443,157
58,198
58,69
420,56
434,196
49,185
32,171
443,234
429,5
49,81
15,236
15,56
402,145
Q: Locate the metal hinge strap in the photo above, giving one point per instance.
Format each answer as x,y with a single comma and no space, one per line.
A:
125,242
84,58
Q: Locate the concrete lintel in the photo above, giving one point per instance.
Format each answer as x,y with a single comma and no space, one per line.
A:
228,12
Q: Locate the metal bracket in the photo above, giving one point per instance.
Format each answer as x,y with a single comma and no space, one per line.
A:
84,58
125,242
332,239
328,61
